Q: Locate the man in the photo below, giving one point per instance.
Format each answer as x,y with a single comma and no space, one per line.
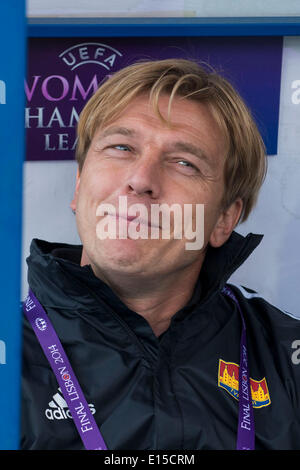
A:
151,335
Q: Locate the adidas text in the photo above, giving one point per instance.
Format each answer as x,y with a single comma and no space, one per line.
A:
58,408
61,413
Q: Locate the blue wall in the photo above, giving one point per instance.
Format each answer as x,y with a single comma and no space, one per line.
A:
12,70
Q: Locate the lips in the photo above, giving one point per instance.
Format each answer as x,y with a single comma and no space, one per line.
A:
138,219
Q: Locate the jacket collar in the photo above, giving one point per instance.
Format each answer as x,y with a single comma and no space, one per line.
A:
54,266
220,263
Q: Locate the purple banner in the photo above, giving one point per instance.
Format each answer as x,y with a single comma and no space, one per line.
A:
63,73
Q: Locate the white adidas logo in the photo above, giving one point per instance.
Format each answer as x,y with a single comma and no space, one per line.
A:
58,408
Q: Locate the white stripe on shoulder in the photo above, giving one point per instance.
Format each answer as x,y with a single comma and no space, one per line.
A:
251,295
248,295
290,314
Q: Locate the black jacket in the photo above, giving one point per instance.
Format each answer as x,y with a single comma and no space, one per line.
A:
177,391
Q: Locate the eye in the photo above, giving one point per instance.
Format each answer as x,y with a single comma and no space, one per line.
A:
117,150
186,164
121,147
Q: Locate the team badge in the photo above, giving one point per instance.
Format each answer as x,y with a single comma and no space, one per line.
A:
228,378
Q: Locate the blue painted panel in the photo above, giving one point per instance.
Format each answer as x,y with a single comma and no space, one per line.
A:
12,68
151,27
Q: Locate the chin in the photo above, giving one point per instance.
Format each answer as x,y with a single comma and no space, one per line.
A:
120,253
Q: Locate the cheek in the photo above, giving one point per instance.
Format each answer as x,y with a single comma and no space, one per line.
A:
95,186
211,209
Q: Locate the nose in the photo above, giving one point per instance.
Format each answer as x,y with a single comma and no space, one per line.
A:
145,175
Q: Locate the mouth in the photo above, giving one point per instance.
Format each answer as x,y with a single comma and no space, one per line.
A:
137,219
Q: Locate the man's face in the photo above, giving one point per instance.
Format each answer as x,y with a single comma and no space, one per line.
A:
139,157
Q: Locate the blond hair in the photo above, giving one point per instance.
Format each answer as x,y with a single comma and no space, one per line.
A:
245,162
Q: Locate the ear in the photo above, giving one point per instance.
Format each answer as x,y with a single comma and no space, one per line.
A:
226,223
73,202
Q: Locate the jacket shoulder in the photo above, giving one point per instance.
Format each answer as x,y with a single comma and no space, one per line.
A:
256,300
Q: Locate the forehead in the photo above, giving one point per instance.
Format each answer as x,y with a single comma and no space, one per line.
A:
169,111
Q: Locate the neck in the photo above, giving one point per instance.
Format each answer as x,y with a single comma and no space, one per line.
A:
156,299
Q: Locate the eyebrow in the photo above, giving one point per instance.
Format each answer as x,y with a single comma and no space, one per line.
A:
117,130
